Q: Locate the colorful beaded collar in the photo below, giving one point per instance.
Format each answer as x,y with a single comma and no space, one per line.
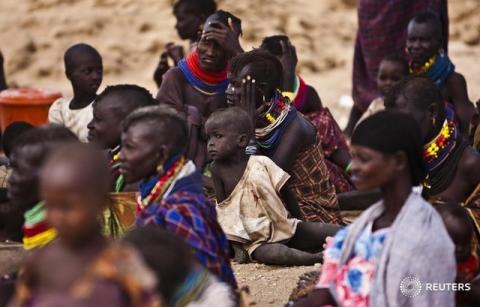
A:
161,186
438,150
276,113
424,68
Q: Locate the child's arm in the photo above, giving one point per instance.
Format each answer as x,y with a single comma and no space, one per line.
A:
291,202
356,200
458,94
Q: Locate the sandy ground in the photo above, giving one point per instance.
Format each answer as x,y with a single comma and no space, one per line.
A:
269,285
131,34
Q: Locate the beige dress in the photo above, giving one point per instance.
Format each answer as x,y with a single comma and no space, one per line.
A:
254,214
75,120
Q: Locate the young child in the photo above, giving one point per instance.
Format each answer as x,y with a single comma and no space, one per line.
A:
427,58
181,280
75,184
190,16
110,108
28,157
84,69
392,69
249,191
460,228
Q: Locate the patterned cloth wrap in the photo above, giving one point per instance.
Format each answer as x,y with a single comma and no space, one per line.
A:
354,280
185,211
328,133
310,183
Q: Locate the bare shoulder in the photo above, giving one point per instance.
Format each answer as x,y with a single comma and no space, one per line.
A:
304,129
470,165
314,102
456,79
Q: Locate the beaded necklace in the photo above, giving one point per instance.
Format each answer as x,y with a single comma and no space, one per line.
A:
274,116
161,186
207,83
424,68
438,149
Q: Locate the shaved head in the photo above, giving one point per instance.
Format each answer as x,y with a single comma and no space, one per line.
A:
78,52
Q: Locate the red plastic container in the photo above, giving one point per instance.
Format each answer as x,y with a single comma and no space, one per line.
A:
26,104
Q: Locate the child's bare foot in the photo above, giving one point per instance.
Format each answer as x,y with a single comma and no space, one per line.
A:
241,255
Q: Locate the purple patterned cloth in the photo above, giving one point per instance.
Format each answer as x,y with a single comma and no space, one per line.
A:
190,215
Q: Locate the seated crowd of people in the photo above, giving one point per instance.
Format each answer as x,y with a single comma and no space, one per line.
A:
126,199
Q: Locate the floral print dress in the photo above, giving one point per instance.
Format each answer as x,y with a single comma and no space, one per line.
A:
352,281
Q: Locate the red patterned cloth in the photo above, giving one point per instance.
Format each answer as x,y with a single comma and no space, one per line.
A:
382,30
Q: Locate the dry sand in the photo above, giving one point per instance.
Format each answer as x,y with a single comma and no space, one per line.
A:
131,34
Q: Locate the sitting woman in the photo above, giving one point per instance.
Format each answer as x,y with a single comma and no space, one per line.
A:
282,134
402,236
110,108
196,87
171,195
306,100
256,208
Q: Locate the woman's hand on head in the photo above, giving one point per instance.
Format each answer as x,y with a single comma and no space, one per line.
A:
175,52
289,62
247,97
225,36
161,69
